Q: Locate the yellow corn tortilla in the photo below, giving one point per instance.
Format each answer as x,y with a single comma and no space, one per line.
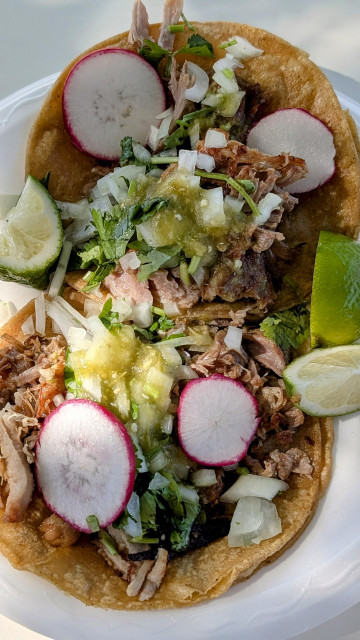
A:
291,80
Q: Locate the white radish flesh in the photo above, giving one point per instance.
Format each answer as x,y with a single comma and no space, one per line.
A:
297,132
85,463
217,420
110,94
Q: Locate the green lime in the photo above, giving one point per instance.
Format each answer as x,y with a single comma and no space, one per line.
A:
335,301
31,237
327,380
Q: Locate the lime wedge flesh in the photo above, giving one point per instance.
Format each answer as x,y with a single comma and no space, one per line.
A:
31,237
326,380
335,302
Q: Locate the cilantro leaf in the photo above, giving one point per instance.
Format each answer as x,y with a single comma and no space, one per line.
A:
178,136
197,45
289,328
154,259
152,52
109,318
127,151
180,536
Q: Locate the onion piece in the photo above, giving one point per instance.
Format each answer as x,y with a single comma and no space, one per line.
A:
133,527
198,91
203,477
170,355
123,308
254,519
167,423
27,327
215,139
164,127
253,485
187,160
243,49
228,62
60,271
188,494
73,312
58,399
157,462
233,338
130,261
171,309
206,162
266,206
184,372
229,85
140,153
61,317
212,99
40,315
153,137
199,275
142,315
158,482
165,114
77,340
235,204
7,311
211,209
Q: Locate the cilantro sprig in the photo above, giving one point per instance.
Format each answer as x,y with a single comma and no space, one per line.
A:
289,328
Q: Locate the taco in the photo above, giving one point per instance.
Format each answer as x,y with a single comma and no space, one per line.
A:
287,445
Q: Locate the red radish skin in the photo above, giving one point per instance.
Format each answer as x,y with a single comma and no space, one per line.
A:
301,134
217,419
110,94
85,463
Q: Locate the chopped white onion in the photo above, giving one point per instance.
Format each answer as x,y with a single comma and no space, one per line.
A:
77,210
235,204
184,372
123,308
229,85
266,206
156,172
188,494
203,477
215,139
130,172
40,315
142,315
194,134
167,152
228,62
254,519
213,99
167,423
58,399
193,181
243,49
171,309
199,275
102,203
117,192
95,326
92,307
164,127
73,312
253,485
61,317
140,153
60,271
157,462
233,339
148,234
187,160
206,162
77,339
170,355
130,261
7,311
197,92
178,342
153,137
211,208
28,326
165,114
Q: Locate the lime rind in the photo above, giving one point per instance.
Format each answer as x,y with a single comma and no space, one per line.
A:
327,381
31,237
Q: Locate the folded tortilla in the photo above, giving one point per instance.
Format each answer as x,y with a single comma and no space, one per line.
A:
289,79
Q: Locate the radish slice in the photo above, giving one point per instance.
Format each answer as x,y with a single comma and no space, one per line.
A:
297,132
85,463
217,420
109,94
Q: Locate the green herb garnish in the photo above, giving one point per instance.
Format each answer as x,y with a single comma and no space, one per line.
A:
289,328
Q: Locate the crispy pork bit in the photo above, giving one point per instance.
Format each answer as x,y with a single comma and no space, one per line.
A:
171,15
57,532
139,578
20,482
155,577
140,24
265,351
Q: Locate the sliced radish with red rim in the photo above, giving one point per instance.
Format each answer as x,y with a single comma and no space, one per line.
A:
217,420
110,94
85,463
301,134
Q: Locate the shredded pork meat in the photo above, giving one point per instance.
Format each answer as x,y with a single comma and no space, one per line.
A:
124,284
140,24
171,15
18,476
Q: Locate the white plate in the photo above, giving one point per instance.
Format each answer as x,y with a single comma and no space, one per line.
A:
318,578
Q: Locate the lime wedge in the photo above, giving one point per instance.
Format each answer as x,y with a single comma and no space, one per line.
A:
335,302
328,381
31,237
